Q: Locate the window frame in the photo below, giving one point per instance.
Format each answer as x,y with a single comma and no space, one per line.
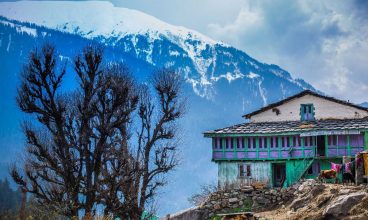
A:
244,170
307,109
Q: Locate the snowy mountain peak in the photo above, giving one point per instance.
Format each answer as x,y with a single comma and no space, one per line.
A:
205,63
93,19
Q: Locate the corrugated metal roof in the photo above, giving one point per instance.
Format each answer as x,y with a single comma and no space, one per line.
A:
293,126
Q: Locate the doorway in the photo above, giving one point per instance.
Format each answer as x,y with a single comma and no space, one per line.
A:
321,150
279,174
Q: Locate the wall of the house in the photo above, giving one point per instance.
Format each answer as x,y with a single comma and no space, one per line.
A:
228,174
290,111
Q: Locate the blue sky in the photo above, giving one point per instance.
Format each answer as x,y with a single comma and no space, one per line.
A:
323,42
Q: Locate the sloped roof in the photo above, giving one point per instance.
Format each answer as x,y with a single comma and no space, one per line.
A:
303,93
292,126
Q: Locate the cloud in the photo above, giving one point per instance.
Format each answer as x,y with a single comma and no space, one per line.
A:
322,42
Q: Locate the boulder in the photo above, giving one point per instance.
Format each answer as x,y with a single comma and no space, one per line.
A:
248,189
343,204
262,200
233,200
300,202
318,190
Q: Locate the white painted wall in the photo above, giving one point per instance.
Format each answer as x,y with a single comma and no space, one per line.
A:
228,174
324,109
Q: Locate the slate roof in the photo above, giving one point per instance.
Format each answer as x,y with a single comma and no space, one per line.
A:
292,126
303,93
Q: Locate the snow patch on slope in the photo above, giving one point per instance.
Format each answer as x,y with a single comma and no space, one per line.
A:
107,23
252,75
93,19
20,28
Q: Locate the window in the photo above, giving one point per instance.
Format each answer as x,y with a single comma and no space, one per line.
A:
220,143
239,143
306,112
231,143
307,141
356,140
284,142
244,170
249,142
332,140
296,141
214,143
272,139
260,140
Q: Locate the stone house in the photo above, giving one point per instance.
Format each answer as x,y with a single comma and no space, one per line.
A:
287,140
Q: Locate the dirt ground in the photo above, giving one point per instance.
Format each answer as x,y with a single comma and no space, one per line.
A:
312,204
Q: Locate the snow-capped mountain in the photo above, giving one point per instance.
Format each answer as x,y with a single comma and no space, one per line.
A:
147,38
222,82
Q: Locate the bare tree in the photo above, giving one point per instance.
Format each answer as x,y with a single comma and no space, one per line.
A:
135,167
205,191
52,168
83,152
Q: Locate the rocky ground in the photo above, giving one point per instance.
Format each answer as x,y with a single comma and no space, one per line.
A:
307,199
313,200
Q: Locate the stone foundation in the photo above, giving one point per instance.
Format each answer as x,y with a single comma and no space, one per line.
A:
244,199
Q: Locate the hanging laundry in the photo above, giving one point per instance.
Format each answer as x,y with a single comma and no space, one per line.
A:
347,167
336,167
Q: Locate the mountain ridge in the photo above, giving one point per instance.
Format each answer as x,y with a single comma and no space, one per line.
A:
200,52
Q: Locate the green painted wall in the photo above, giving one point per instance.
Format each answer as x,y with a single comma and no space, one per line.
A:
291,171
228,173
366,140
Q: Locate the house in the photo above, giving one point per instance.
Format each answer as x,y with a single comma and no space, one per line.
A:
290,139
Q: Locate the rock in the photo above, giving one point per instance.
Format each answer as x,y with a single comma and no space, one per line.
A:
299,202
344,191
262,200
247,189
233,200
317,190
217,206
343,204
